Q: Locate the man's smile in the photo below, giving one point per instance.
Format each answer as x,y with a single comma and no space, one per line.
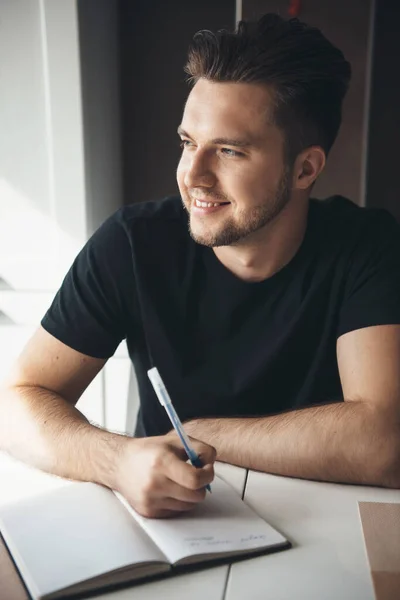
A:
206,207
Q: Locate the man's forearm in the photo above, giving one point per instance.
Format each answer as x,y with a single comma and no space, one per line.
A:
347,442
43,430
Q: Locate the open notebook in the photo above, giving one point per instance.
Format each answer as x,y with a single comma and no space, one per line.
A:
83,537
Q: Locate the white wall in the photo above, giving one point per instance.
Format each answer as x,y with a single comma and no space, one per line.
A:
59,169
98,34
59,148
42,193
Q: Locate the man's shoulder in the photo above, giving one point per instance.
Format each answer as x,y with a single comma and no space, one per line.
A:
340,210
342,219
142,222
153,228
169,208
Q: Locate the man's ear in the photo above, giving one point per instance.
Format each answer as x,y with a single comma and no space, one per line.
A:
307,167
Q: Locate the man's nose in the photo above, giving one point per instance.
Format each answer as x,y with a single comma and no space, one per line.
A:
199,171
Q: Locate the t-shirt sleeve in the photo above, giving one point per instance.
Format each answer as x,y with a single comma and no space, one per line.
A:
90,310
372,290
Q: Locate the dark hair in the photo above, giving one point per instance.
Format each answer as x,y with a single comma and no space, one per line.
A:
308,75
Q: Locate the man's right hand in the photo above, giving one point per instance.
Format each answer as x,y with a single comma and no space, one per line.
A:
154,477
39,424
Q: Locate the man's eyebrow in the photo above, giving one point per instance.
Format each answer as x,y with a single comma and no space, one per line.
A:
221,140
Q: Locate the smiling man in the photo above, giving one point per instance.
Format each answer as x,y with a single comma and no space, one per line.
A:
273,318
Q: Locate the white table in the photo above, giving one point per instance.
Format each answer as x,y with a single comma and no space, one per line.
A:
327,561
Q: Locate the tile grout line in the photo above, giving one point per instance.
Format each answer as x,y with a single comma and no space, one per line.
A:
229,566
245,483
226,582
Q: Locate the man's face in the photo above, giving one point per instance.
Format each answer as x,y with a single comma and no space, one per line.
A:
231,175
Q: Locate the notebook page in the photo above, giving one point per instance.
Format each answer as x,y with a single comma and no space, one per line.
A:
222,523
62,537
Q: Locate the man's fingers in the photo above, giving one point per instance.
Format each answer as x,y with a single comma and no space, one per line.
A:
164,481
177,505
168,499
174,490
167,508
167,488
189,476
205,452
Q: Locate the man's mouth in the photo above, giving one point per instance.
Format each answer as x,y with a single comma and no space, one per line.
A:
205,206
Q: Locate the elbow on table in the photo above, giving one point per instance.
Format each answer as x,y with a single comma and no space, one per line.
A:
387,470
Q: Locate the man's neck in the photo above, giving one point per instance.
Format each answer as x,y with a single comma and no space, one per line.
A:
268,250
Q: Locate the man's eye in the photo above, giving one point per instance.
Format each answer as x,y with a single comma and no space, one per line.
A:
230,152
185,143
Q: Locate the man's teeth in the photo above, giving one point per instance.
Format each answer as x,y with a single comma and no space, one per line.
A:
206,204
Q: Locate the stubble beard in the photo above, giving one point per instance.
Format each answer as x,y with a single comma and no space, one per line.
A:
248,222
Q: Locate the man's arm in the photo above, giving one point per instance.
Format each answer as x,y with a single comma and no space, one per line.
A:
40,425
355,441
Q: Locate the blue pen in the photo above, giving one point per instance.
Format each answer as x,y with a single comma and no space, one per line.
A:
165,401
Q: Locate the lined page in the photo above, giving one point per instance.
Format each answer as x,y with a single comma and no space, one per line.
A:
222,523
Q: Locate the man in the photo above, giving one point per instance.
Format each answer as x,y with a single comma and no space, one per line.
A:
274,321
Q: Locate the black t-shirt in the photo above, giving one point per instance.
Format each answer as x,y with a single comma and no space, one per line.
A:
223,346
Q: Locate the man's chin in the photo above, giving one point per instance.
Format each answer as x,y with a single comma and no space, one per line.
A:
211,236
201,234
201,238
212,239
